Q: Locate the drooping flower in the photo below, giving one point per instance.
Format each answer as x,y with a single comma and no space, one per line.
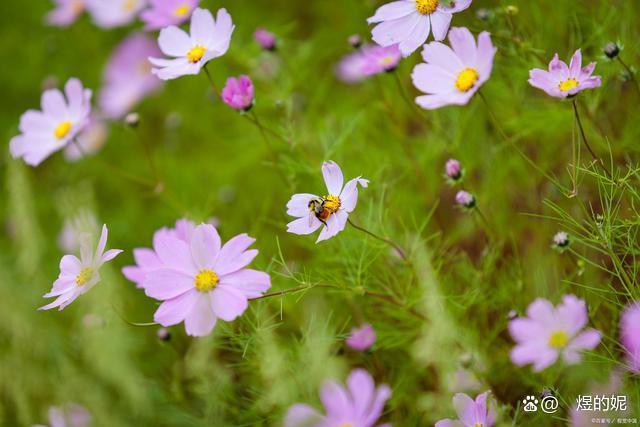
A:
147,260
65,13
208,39
238,93
163,13
562,80
89,141
61,119
330,211
114,13
79,275
201,281
409,22
453,169
630,336
362,338
453,74
265,39
71,415
128,78
465,199
359,404
549,332
478,413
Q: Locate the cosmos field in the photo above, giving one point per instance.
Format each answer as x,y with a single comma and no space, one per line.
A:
319,214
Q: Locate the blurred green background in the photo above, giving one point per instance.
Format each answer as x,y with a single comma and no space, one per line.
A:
213,162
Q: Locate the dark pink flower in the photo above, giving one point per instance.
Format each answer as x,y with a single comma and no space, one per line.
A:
453,169
265,39
238,93
362,338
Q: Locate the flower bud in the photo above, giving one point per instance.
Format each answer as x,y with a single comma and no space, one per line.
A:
163,334
265,39
611,50
512,10
132,120
355,41
453,169
483,14
238,93
561,239
465,199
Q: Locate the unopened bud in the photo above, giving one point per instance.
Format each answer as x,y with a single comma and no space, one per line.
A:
355,41
132,120
163,334
611,50
453,169
465,199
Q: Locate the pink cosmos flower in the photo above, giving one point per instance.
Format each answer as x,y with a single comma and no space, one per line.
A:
562,81
200,281
409,22
238,93
630,336
480,412
548,332
265,39
89,141
47,131
208,39
163,13
65,13
114,13
362,338
147,260
350,68
78,276
379,59
329,212
72,415
453,74
128,78
360,404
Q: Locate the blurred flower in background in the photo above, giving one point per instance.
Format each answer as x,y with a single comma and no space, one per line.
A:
66,12
562,81
630,336
163,13
127,77
472,413
361,338
82,223
265,39
238,93
114,13
89,141
71,415
465,199
378,59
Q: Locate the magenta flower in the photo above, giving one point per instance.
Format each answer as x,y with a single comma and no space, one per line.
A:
79,275
147,260
562,81
114,13
330,211
378,59
72,415
453,169
409,22
265,39
238,93
65,13
360,404
208,39
465,199
89,141
478,413
630,336
362,338
47,131
163,13
128,78
547,333
453,74
200,281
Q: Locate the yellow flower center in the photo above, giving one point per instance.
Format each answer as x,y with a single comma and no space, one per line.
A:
130,5
332,203
387,60
181,11
558,339
84,276
568,84
196,54
426,7
206,280
478,425
346,425
466,79
62,129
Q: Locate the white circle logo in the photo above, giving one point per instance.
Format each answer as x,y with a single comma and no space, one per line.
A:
549,404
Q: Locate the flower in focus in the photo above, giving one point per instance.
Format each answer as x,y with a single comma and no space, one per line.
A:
65,13
238,93
208,39
201,281
89,141
72,415
147,260
359,404
114,13
465,199
562,81
47,131
78,276
163,13
549,332
409,22
128,78
362,338
265,39
630,336
453,170
330,211
480,412
453,74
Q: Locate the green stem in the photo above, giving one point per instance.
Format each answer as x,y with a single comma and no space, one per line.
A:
394,245
213,84
272,152
584,138
632,75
